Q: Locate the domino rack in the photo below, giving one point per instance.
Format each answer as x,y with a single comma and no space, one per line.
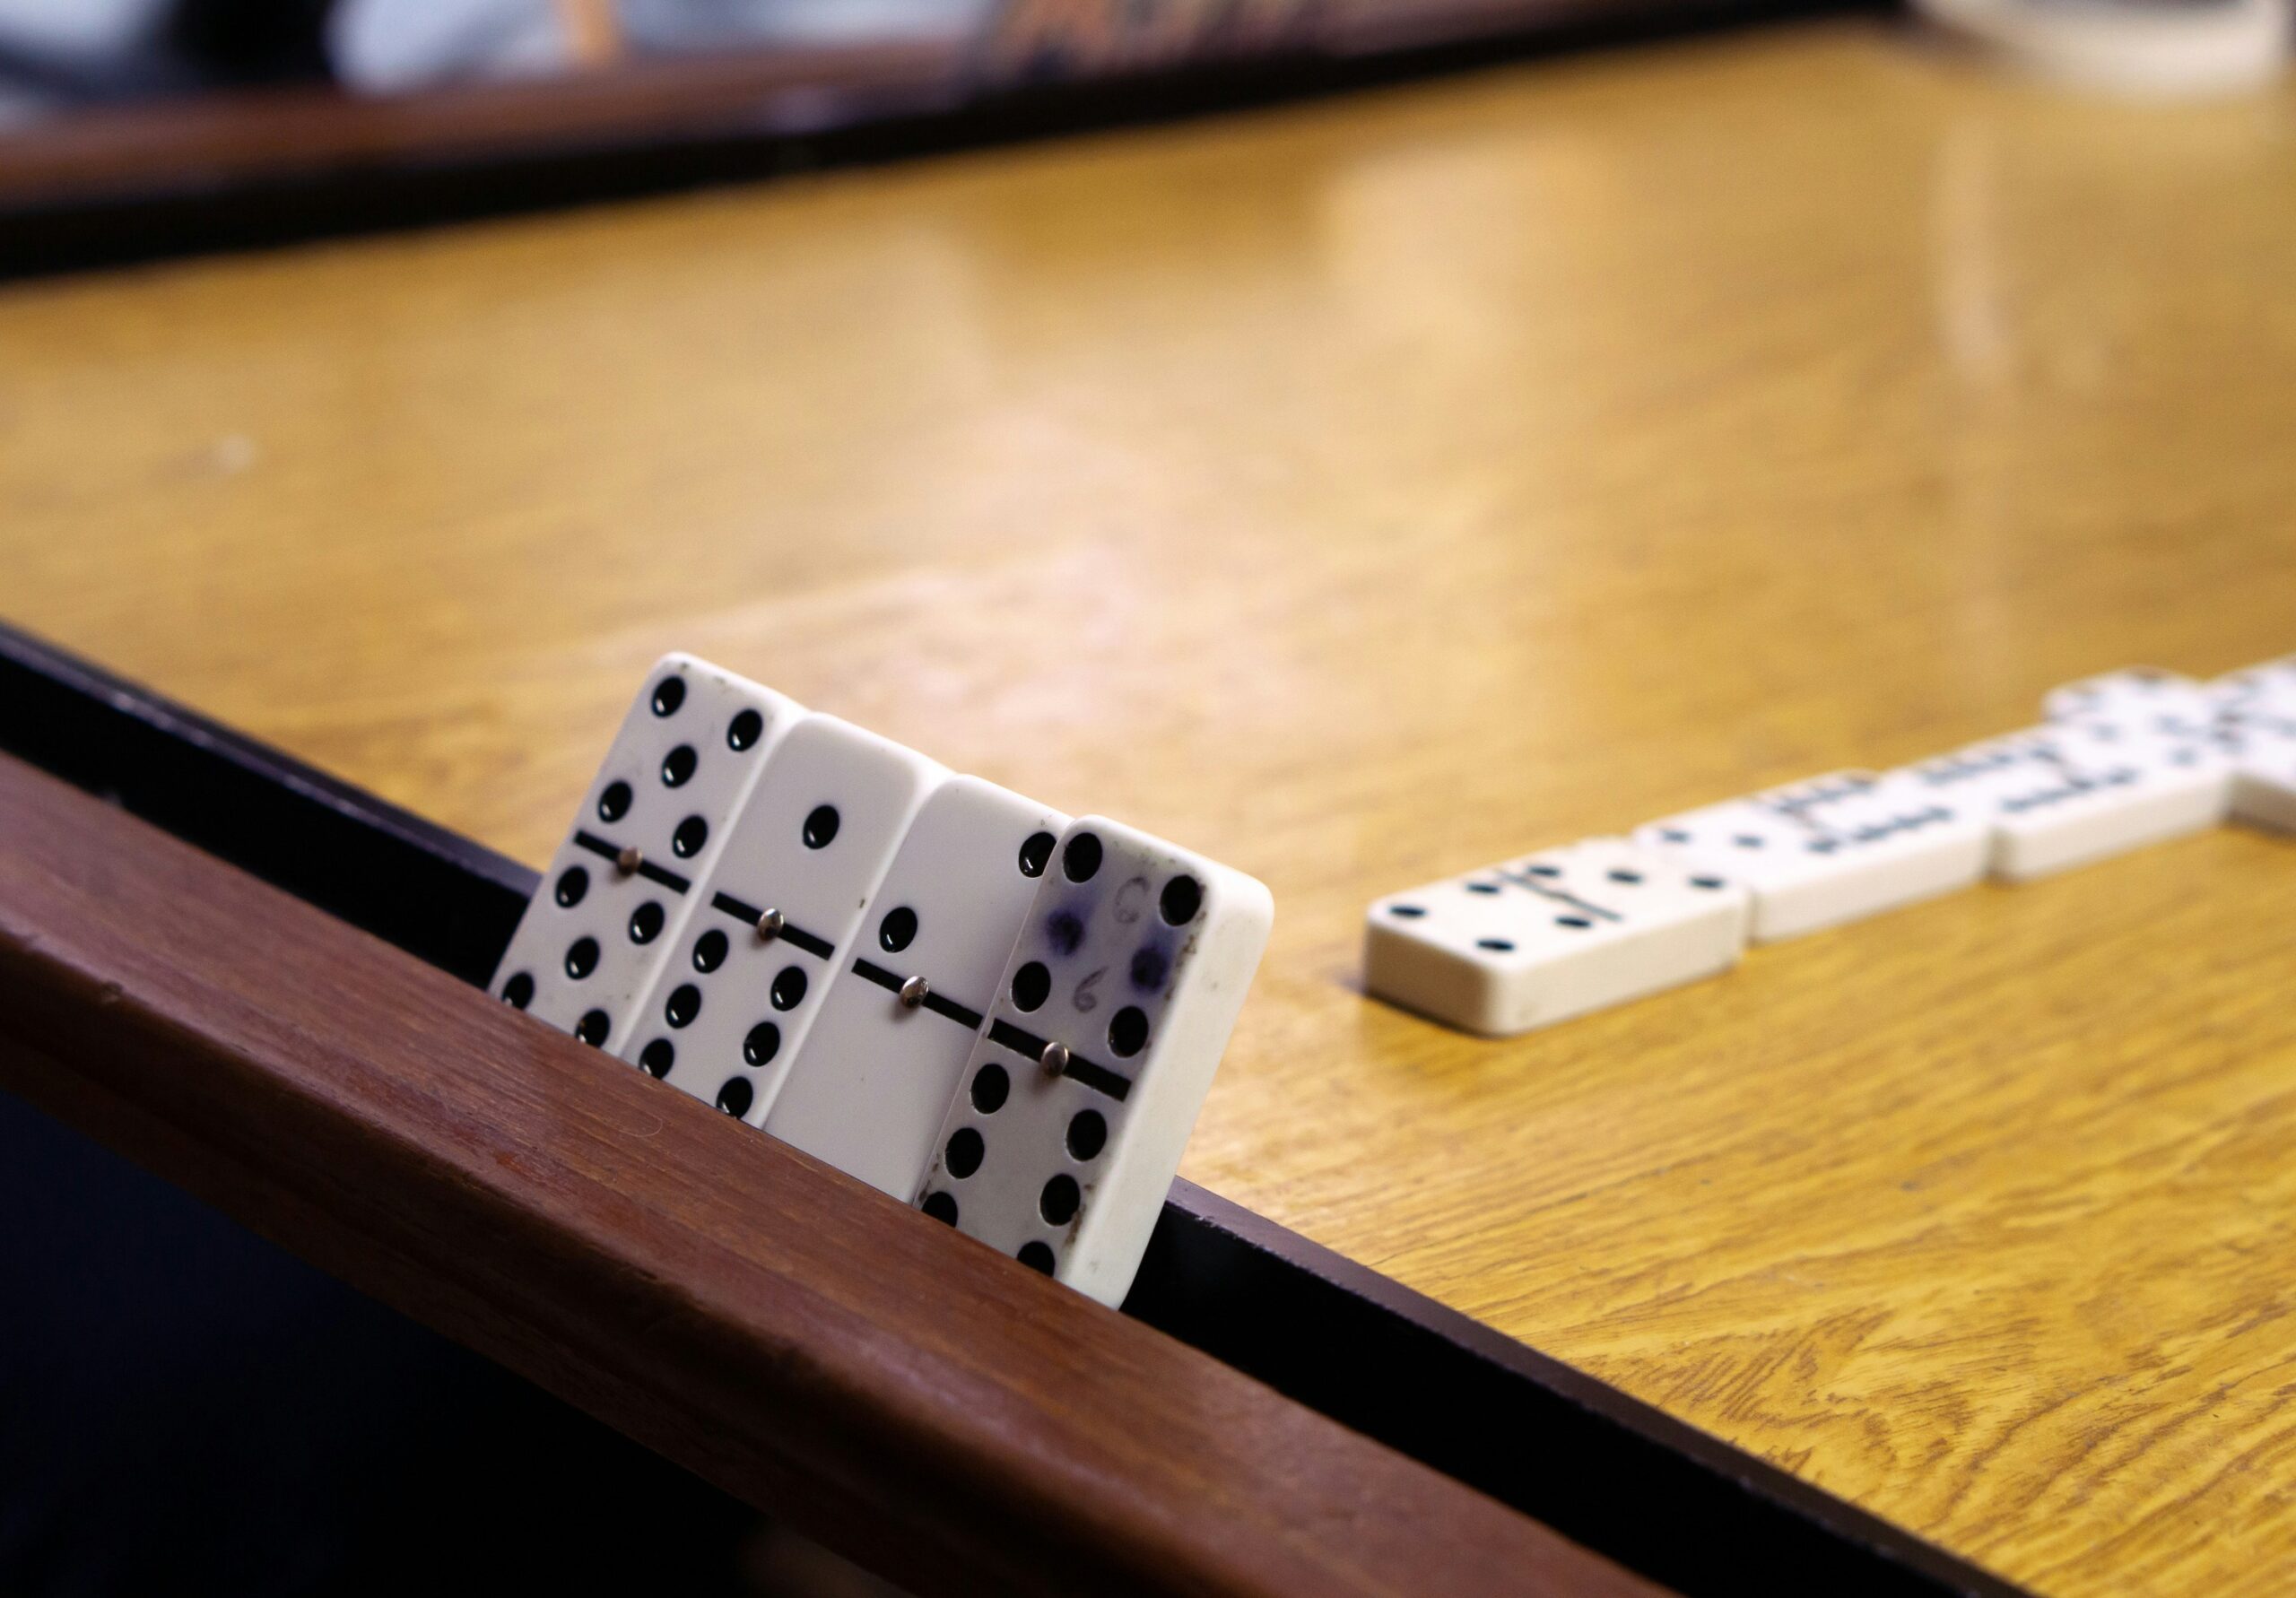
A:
163,880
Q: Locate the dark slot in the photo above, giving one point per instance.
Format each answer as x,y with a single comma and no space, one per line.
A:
870,971
1029,1045
745,914
646,868
1559,896
796,937
667,879
967,1019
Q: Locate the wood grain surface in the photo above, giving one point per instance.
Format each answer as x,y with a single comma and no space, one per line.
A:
938,1413
1362,492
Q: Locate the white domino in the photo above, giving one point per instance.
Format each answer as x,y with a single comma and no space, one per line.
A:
2143,700
1109,1017
1827,851
2073,792
619,891
778,913
2262,743
2257,726
869,1090
1551,935
2264,787
2266,690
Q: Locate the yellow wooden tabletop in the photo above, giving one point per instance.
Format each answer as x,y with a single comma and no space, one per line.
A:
1361,492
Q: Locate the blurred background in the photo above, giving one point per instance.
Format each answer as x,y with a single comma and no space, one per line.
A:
58,54
130,127
134,127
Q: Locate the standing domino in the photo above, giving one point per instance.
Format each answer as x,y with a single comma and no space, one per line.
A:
778,911
621,888
1827,851
869,1090
1068,1126
1552,936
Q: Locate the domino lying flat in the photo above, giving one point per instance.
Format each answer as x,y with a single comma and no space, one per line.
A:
945,989
621,888
2142,700
2255,726
2126,758
1552,936
2075,792
2259,737
1827,851
2264,785
1076,1101
2266,691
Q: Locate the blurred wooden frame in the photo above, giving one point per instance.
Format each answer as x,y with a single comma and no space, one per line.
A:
225,170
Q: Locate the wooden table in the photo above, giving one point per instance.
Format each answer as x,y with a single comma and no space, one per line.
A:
1361,492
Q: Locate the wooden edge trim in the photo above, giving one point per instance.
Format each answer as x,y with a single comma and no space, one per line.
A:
927,1407
206,143
280,140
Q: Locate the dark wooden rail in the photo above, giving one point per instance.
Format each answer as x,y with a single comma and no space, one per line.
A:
926,1406
158,178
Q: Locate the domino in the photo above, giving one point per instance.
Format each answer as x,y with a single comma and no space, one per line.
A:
2266,690
2071,793
1552,936
2264,787
868,1090
620,889
1109,1019
2110,792
2262,743
2143,700
778,912
1828,851
2257,728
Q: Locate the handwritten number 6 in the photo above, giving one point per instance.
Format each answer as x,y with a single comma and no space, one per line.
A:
1085,998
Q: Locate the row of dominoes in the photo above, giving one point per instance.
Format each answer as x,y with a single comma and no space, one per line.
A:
1003,1015
2123,759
